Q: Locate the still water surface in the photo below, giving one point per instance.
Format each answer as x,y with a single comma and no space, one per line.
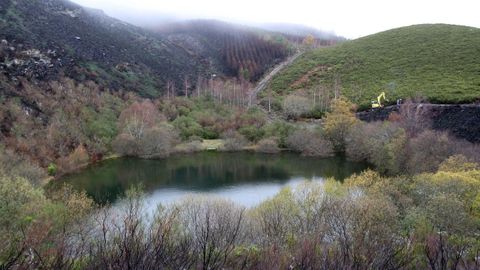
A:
245,178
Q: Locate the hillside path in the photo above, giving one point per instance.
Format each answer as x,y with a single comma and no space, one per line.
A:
267,78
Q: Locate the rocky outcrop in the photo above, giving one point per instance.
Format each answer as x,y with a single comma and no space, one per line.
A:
462,120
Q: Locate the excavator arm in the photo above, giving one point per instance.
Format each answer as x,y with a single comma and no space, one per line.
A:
378,102
379,98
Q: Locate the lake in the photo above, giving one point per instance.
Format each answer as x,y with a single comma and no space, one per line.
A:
243,177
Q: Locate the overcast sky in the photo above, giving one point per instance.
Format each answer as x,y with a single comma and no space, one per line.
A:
348,18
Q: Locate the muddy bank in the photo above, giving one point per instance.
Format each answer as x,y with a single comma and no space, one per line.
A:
462,121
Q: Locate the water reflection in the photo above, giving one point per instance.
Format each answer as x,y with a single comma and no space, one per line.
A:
245,178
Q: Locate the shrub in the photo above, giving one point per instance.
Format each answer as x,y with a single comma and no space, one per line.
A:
52,169
100,128
125,145
189,147
458,163
280,130
215,227
358,145
428,150
310,144
20,204
338,122
79,157
268,146
382,144
188,127
156,143
208,133
253,117
296,106
234,141
15,165
252,133
138,117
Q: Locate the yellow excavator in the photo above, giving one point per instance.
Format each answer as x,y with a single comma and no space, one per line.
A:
378,103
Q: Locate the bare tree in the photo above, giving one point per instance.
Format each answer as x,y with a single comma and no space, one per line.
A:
138,117
216,228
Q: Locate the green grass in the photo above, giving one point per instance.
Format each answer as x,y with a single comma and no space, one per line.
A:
440,62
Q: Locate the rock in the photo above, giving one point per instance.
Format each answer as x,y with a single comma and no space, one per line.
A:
460,120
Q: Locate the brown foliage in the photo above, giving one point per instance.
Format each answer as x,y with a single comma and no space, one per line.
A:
234,141
139,117
382,144
78,158
428,150
156,143
310,144
267,146
296,106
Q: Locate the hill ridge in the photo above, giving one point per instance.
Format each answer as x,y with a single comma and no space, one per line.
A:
436,61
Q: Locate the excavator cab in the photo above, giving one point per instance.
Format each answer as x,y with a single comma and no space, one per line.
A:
378,103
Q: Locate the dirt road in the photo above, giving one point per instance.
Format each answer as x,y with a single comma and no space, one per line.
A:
268,77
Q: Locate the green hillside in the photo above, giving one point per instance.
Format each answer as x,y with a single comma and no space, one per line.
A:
440,62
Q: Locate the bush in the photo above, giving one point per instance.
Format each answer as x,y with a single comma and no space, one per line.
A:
208,133
338,122
100,128
268,146
52,169
253,117
234,141
358,145
382,144
252,133
138,117
280,130
188,127
458,163
215,227
428,150
125,145
310,144
15,165
156,143
20,203
296,106
79,157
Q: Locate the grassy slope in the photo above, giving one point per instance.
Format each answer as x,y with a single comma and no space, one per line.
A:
440,62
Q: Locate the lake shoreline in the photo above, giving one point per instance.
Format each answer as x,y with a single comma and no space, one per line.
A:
229,174
216,145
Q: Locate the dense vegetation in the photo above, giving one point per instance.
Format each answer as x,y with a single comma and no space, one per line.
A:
437,62
67,72
427,221
422,211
